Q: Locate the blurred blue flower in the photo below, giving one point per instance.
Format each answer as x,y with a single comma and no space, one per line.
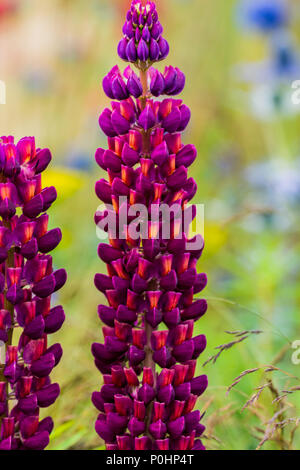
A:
277,180
282,66
263,15
79,160
286,60
275,183
272,77
37,81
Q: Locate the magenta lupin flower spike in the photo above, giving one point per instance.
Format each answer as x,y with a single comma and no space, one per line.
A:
149,355
27,281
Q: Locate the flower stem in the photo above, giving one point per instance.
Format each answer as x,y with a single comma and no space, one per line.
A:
10,262
144,82
149,362
143,99
10,308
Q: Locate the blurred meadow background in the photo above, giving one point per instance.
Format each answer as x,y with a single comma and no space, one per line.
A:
240,66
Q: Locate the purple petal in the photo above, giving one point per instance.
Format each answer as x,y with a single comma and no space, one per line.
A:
34,207
136,427
98,401
43,157
200,283
187,278
129,156
136,355
146,394
199,345
119,89
176,427
157,84
192,420
158,429
29,426
178,178
100,352
49,195
147,118
185,117
107,315
196,310
35,328
186,156
45,287
57,352
37,442
54,320
50,240
184,352
46,425
43,366
116,423
30,249
106,124
103,191
115,346
134,86
142,51
122,46
106,85
199,385
131,51
28,404
163,48
47,395
166,394
169,282
183,391
172,121
126,315
60,278
154,50
103,430
120,124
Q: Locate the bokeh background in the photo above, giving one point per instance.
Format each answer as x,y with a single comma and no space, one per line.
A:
240,69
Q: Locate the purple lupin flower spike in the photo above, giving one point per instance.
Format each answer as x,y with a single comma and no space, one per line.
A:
152,279
27,281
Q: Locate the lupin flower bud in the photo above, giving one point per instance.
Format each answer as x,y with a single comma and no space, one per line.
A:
151,276
118,87
143,42
27,281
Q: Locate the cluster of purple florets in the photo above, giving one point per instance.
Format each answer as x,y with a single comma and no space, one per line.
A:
27,281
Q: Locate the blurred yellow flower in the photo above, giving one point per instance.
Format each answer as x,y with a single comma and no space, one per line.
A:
66,181
215,237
